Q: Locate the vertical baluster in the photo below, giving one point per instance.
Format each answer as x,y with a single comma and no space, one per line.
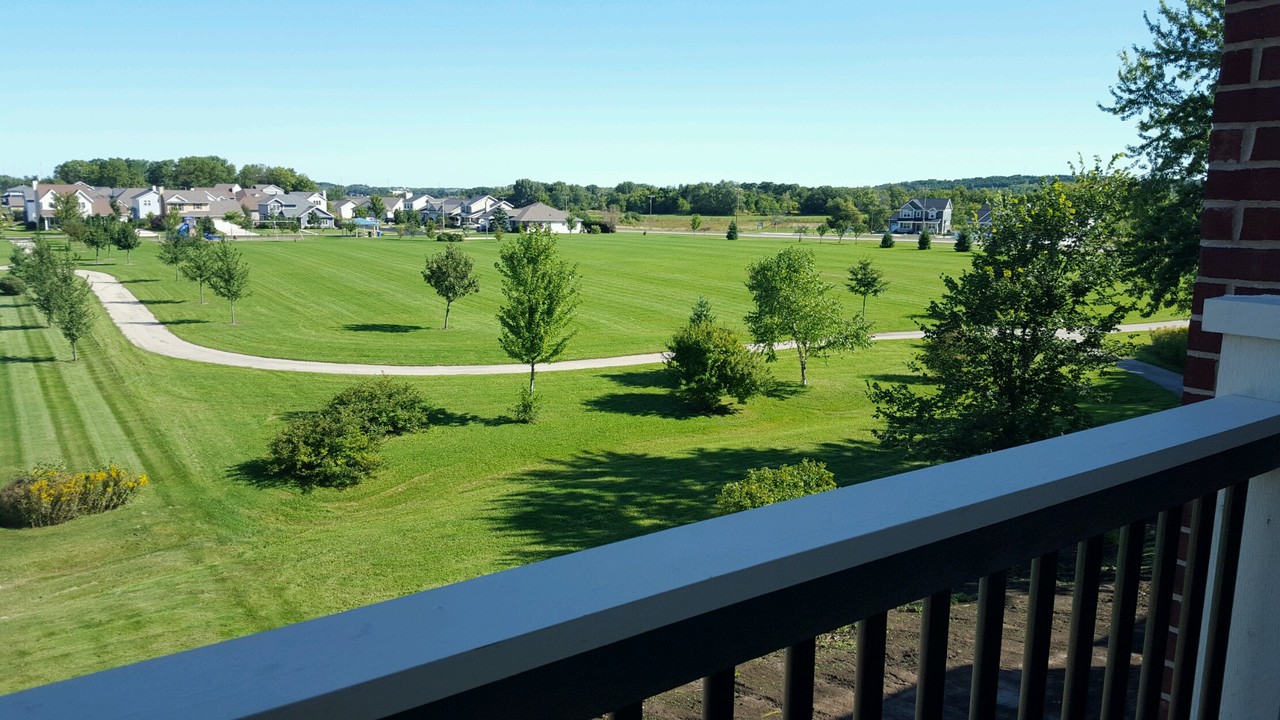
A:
868,680
1035,652
1084,618
1124,608
1193,587
986,646
1159,602
797,693
1224,593
717,695
634,711
935,624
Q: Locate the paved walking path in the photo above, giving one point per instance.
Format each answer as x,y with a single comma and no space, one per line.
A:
142,329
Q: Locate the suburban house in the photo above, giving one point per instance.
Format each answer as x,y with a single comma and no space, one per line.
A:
394,203
474,212
984,216
417,203
932,214
345,208
39,204
539,215
307,208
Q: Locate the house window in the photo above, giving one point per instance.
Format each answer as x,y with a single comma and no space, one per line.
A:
919,213
933,214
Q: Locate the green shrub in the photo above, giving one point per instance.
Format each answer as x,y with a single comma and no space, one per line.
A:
1169,347
886,240
12,285
323,450
527,407
709,362
49,494
733,230
382,407
964,241
926,240
449,237
765,486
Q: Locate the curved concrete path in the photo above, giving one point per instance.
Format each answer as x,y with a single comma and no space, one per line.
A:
142,329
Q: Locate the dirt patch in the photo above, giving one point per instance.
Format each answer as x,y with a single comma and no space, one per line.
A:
759,682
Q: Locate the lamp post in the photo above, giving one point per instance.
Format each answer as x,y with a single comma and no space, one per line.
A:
650,212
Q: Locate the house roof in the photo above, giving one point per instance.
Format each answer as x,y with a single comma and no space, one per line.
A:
984,214
539,212
928,203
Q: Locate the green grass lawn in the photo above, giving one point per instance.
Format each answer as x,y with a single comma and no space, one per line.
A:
215,549
718,225
364,300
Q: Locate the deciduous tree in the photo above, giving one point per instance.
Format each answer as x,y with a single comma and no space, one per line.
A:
197,265
866,279
123,237
794,303
73,308
452,275
229,278
1168,87
541,298
1010,347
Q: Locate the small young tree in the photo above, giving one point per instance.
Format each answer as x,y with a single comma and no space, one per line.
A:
866,279
377,208
96,235
197,266
800,231
41,271
886,240
794,303
124,237
964,240
733,230
823,229
499,222
541,297
709,362
695,222
174,248
452,275
66,209
73,309
229,278
926,240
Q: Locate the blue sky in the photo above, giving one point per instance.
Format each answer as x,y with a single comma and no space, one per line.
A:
435,94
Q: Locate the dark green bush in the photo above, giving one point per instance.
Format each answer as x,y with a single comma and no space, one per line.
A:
926,240
964,241
1169,347
382,407
449,237
323,450
886,240
710,362
527,407
765,486
12,285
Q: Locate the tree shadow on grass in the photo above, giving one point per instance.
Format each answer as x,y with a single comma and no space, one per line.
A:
664,405
21,327
595,498
783,390
381,327
139,280
184,321
162,302
254,472
903,378
7,359
654,378
440,417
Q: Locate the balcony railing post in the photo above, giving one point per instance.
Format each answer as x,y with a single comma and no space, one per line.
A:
1250,354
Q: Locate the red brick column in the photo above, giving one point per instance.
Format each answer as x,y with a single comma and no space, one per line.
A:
1240,224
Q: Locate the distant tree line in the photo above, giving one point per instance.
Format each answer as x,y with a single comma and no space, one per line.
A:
190,171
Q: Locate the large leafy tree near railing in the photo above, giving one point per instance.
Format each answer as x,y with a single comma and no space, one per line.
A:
1010,348
1168,88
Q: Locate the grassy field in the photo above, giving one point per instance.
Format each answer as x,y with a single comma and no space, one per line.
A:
364,300
216,549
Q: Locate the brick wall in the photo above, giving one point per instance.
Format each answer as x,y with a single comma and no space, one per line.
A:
1240,224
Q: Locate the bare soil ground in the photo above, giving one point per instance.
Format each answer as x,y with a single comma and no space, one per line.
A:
759,682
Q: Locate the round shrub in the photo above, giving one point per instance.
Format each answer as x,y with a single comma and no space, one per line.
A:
886,240
49,494
765,486
323,450
382,407
964,241
12,285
